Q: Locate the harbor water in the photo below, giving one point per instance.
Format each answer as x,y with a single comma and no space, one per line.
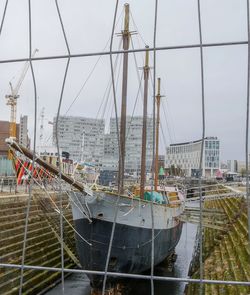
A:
78,284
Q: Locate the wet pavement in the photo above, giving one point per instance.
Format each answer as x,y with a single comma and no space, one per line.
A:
76,284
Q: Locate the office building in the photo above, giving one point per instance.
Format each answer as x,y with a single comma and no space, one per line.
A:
21,134
6,167
186,156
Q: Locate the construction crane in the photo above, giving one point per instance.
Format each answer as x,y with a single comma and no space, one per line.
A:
12,100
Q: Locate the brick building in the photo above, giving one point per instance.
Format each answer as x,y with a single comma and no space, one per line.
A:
4,133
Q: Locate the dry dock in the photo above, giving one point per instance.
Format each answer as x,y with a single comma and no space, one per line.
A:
43,247
226,253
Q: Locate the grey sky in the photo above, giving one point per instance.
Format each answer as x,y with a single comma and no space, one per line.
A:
88,27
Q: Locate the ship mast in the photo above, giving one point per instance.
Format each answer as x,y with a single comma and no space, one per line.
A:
125,37
158,102
144,126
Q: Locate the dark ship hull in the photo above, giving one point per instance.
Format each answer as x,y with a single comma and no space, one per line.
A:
131,250
131,247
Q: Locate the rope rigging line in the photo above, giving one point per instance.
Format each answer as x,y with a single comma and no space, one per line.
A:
103,98
137,69
109,85
168,118
87,79
137,247
133,112
91,72
139,44
168,114
119,146
108,109
153,152
111,105
165,116
167,122
110,81
139,89
136,28
106,97
163,135
47,193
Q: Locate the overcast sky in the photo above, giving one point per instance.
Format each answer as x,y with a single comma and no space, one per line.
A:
88,27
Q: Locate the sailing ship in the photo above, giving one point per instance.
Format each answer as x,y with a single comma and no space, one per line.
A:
97,211
133,214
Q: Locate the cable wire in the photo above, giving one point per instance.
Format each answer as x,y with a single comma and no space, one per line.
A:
57,143
3,17
118,140
34,148
137,72
134,23
202,147
113,52
247,123
201,281
128,275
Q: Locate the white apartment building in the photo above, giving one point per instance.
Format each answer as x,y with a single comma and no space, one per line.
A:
82,138
186,156
133,144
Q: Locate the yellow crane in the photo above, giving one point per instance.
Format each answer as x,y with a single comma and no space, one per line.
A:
12,100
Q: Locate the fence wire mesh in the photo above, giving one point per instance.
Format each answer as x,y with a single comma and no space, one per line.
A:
68,57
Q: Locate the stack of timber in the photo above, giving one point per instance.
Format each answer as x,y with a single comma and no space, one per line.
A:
43,247
226,254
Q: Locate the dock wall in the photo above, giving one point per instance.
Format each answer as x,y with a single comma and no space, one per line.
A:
226,253
42,249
